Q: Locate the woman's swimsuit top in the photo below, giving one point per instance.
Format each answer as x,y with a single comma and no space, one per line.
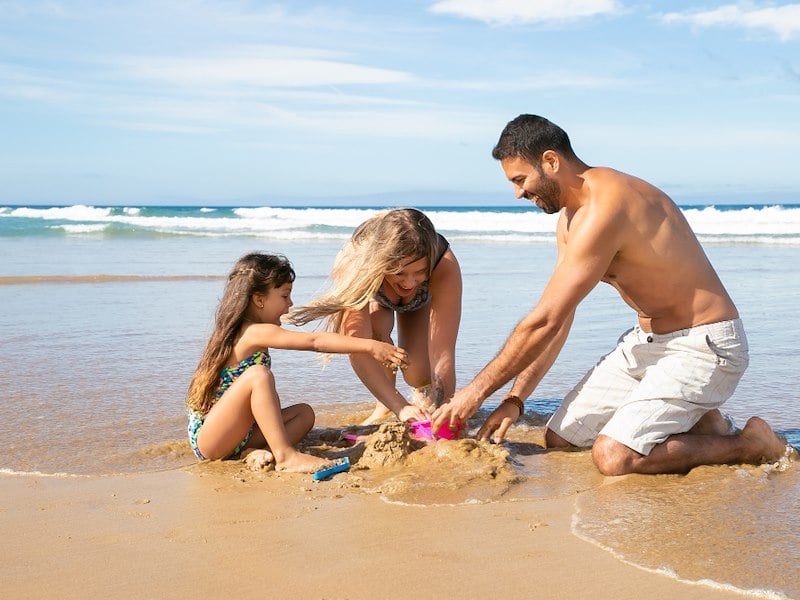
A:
423,296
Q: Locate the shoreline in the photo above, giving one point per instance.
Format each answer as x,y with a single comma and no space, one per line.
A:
228,532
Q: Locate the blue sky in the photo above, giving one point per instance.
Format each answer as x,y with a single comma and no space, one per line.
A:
247,102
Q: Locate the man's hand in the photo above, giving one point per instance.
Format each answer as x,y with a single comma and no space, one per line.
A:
461,407
497,423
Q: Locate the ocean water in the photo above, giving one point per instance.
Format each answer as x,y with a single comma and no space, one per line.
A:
104,311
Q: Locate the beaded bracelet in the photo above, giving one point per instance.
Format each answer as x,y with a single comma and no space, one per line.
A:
511,398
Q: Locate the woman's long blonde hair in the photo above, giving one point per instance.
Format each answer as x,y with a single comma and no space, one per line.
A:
253,273
376,249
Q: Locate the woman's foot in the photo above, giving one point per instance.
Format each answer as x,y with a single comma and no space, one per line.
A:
422,397
380,414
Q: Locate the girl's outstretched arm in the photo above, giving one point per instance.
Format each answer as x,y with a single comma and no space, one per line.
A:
265,335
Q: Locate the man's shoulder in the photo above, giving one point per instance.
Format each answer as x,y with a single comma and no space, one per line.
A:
600,178
610,187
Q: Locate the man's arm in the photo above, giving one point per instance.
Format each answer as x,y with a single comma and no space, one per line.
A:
530,377
506,414
595,236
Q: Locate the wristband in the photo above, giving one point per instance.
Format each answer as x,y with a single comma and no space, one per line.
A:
512,399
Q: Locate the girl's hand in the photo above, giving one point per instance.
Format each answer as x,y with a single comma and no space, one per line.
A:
389,356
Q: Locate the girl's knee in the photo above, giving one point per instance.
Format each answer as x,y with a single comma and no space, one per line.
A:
302,413
307,411
257,375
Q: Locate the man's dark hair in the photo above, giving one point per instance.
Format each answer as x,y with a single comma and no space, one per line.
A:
529,136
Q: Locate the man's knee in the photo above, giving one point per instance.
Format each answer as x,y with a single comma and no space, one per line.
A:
613,458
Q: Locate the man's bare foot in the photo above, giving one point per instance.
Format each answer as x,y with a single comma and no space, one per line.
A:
379,414
295,461
762,443
714,422
258,459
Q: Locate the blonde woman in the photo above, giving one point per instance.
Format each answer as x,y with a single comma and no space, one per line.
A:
397,267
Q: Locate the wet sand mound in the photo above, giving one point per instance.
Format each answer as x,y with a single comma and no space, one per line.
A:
389,445
443,472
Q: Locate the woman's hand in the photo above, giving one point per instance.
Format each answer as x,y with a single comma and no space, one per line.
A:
497,423
411,412
389,356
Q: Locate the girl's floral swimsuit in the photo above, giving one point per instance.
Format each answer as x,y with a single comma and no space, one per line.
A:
227,377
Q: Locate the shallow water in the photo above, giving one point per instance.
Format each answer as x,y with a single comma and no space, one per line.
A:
95,371
733,525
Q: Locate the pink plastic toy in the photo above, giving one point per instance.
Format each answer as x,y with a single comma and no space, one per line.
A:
354,438
421,430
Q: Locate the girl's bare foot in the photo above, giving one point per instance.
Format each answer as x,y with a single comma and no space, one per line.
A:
762,443
295,461
258,459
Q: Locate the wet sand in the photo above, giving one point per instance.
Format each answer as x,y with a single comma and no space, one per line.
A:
444,519
225,533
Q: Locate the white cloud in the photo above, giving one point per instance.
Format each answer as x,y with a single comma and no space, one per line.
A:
510,12
261,71
782,20
187,118
554,80
200,97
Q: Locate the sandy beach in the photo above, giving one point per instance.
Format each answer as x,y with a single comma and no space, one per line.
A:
100,496
225,532
410,519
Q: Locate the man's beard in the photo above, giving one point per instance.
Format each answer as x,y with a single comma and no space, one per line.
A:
548,193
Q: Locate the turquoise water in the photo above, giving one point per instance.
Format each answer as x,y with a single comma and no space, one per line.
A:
762,223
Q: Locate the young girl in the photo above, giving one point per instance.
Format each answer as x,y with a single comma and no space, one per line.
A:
397,265
232,400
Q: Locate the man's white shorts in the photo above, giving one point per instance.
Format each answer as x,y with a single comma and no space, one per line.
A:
652,386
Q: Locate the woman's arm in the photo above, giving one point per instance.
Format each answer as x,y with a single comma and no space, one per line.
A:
359,325
445,317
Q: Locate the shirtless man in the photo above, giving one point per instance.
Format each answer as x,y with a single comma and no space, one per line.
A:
650,406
